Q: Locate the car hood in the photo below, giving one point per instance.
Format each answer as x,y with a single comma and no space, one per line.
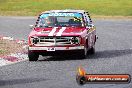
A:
58,31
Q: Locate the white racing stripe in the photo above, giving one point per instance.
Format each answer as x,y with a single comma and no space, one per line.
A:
52,32
61,31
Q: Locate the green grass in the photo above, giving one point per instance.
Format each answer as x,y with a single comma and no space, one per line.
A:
95,7
2,51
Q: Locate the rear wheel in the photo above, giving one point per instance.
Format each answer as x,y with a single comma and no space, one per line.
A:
33,56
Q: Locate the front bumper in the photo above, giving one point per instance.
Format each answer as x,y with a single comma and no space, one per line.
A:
59,51
55,48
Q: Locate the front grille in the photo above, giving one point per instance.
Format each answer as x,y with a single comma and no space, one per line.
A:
51,41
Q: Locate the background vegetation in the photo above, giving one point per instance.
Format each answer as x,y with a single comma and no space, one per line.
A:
95,7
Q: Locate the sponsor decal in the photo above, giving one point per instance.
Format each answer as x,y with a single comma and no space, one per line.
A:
83,78
44,31
61,14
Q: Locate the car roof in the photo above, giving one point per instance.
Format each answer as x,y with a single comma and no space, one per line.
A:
67,10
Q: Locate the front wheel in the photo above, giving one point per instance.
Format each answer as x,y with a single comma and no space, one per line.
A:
92,50
84,53
33,56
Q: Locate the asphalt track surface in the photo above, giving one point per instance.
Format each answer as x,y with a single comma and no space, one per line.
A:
113,56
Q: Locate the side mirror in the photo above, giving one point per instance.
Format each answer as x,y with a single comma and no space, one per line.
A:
31,26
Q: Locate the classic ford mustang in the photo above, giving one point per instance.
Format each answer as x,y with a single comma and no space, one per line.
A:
59,32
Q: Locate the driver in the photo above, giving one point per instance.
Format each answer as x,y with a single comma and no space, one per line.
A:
50,21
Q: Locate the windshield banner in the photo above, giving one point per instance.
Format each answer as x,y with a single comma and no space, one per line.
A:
61,14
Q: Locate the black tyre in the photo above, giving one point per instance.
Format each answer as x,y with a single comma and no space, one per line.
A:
33,56
92,50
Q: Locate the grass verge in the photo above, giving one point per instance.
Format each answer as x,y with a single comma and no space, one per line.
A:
95,7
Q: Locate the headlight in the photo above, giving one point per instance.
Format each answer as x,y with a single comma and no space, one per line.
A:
75,40
34,40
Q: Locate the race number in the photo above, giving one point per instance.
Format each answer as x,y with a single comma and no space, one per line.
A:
50,48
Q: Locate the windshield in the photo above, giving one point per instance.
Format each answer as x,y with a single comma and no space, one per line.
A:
60,20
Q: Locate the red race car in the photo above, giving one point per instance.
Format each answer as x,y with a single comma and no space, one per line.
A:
59,32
